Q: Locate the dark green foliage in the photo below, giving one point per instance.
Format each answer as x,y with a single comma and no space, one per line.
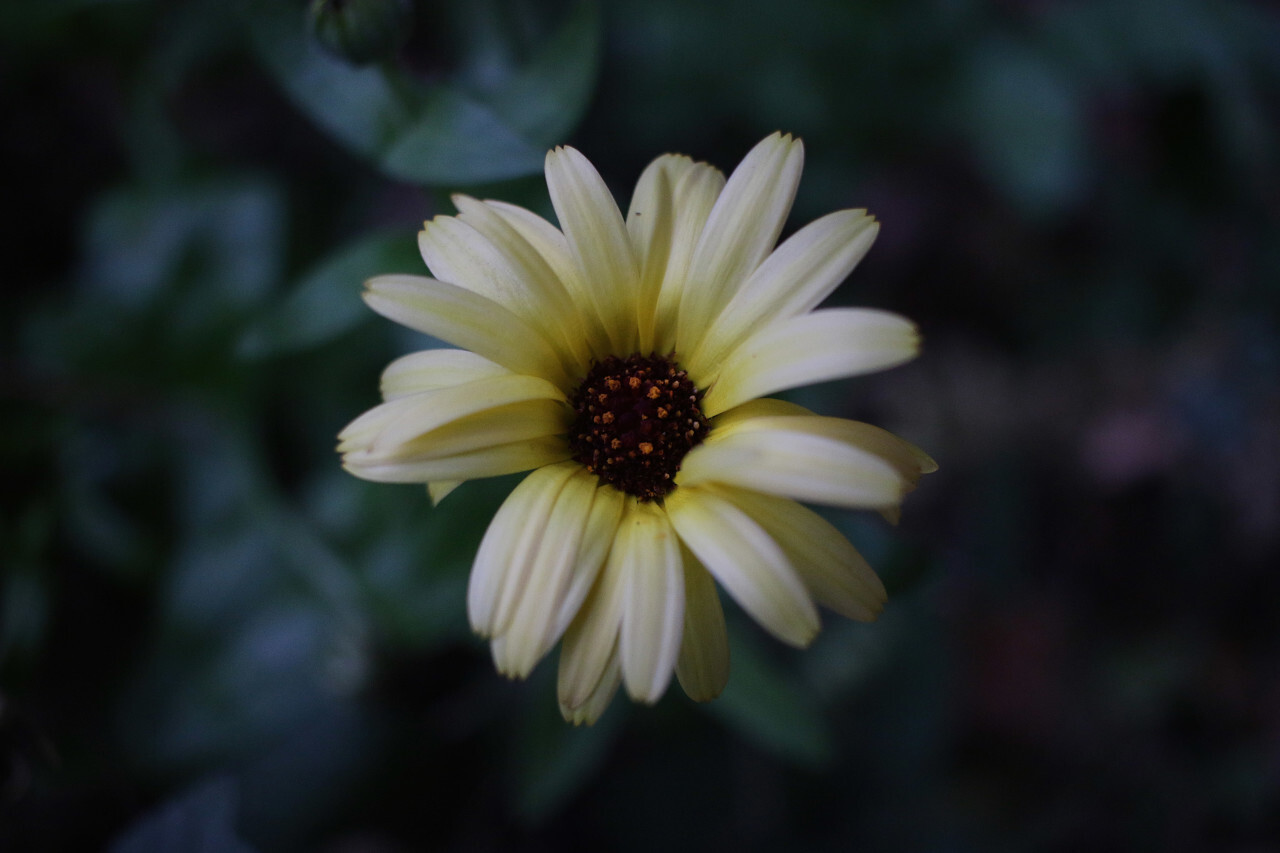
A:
212,638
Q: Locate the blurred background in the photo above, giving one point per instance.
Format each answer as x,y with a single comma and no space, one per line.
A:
212,638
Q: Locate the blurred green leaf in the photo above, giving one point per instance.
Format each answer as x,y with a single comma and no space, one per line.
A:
546,98
199,821
1024,119
326,302
433,133
769,708
554,760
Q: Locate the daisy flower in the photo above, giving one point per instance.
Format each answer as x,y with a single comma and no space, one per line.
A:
626,363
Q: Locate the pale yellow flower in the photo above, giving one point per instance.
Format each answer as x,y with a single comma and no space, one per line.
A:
626,362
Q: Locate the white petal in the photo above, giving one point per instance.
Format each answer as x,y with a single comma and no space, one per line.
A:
549,242
776,456
830,344
598,240
696,192
441,489
590,709
435,368
500,568
597,540
910,461
703,666
468,320
653,603
743,226
419,414
832,569
471,465
547,296
591,639
746,562
793,280
534,588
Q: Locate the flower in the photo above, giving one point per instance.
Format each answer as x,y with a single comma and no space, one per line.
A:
626,363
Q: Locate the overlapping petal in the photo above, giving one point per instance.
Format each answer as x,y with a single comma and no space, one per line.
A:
810,348
467,320
690,276
739,233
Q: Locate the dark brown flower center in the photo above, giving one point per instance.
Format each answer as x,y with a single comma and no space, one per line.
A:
636,419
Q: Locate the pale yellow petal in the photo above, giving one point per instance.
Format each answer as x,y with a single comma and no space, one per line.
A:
594,705
430,369
649,223
696,192
597,235
910,461
793,280
816,347
467,320
779,459
441,489
547,296
471,465
832,569
536,583
703,665
500,570
591,639
653,601
419,414
747,563
740,232
597,540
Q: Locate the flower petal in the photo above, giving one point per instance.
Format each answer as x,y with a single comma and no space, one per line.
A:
469,465
833,571
467,320
830,344
696,192
778,456
653,603
501,569
535,585
430,369
703,666
598,240
590,709
793,280
910,461
441,489
592,637
746,561
740,232
597,540
419,414
549,298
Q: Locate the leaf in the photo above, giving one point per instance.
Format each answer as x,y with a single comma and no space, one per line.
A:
545,99
433,133
771,709
326,302
199,821
554,760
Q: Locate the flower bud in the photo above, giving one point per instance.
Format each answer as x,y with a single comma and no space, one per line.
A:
361,31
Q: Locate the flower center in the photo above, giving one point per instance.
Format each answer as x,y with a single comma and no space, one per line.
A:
636,419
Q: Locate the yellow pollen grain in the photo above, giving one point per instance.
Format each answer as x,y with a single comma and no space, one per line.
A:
646,448
654,393
612,385
634,382
662,413
606,418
